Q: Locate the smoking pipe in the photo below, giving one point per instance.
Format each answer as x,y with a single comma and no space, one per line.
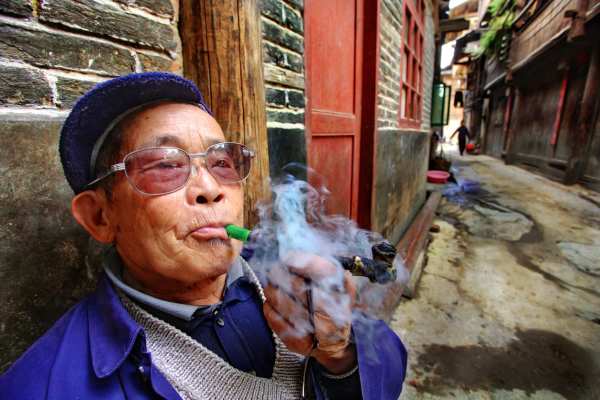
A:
379,269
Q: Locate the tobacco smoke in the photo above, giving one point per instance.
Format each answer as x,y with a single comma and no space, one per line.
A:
296,222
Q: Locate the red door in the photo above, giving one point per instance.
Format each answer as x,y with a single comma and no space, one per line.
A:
333,59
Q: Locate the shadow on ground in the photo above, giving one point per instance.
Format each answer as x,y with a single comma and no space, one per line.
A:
535,360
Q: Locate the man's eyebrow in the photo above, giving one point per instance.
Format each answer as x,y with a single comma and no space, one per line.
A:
163,140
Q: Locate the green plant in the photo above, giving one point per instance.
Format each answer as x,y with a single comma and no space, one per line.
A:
502,16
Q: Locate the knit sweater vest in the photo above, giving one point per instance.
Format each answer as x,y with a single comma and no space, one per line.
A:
197,373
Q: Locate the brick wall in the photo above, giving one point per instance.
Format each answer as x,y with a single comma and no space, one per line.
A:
428,68
283,51
390,39
51,51
400,154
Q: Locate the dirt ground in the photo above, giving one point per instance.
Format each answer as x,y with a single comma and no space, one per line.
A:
508,306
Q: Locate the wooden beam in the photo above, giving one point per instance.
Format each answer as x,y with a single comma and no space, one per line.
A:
222,53
509,133
454,25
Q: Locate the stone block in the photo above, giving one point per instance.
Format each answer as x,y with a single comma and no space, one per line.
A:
276,34
285,146
24,86
69,90
108,19
285,116
299,4
152,62
295,99
284,59
292,20
159,7
272,9
275,96
43,250
63,50
16,7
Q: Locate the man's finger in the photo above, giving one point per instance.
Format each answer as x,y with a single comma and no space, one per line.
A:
286,304
309,265
291,283
287,332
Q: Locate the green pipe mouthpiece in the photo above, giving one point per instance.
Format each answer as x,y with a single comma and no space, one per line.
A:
237,232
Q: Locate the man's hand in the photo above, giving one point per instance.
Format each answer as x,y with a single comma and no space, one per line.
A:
310,300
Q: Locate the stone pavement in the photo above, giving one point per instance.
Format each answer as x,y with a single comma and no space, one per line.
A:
508,306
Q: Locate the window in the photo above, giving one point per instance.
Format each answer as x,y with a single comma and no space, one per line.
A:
412,64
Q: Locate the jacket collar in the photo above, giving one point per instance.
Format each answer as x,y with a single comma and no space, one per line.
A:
112,331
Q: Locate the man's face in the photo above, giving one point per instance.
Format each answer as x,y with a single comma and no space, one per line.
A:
171,238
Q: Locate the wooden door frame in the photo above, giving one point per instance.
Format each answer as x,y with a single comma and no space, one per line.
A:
365,105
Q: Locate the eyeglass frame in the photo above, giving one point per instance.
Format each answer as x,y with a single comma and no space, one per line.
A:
121,166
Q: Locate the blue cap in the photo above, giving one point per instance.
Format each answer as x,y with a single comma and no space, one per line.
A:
97,111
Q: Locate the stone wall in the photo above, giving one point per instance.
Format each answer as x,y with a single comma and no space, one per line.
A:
51,51
400,154
283,51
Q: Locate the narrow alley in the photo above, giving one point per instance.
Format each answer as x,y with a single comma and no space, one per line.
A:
508,306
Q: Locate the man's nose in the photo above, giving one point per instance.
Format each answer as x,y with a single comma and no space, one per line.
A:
203,188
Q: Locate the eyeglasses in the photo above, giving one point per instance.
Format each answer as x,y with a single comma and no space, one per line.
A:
161,170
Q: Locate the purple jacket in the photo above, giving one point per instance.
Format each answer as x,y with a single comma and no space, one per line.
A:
97,351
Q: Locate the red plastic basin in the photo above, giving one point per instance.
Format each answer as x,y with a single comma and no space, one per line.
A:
436,176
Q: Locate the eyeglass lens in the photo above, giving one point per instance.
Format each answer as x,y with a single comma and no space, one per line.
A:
164,169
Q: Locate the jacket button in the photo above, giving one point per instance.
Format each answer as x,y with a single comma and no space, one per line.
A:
220,322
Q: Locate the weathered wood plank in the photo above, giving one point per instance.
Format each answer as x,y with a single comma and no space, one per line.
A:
541,30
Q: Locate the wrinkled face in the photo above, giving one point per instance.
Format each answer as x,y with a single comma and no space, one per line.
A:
176,236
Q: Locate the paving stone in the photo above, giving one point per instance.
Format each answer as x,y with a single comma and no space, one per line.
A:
114,22
63,50
584,257
23,86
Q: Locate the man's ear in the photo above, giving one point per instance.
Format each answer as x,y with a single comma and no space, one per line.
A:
90,209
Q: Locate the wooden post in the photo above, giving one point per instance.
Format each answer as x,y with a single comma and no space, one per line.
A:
582,132
513,99
222,53
559,110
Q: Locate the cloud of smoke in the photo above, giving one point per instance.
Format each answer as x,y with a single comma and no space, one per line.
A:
296,223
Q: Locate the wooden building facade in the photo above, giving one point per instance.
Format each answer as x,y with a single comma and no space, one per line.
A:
539,108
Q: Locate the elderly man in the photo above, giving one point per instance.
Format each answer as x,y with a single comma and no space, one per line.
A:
178,314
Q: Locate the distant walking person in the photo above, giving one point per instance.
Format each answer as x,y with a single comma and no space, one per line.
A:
463,135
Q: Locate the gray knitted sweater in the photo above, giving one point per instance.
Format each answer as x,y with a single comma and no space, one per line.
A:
197,373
